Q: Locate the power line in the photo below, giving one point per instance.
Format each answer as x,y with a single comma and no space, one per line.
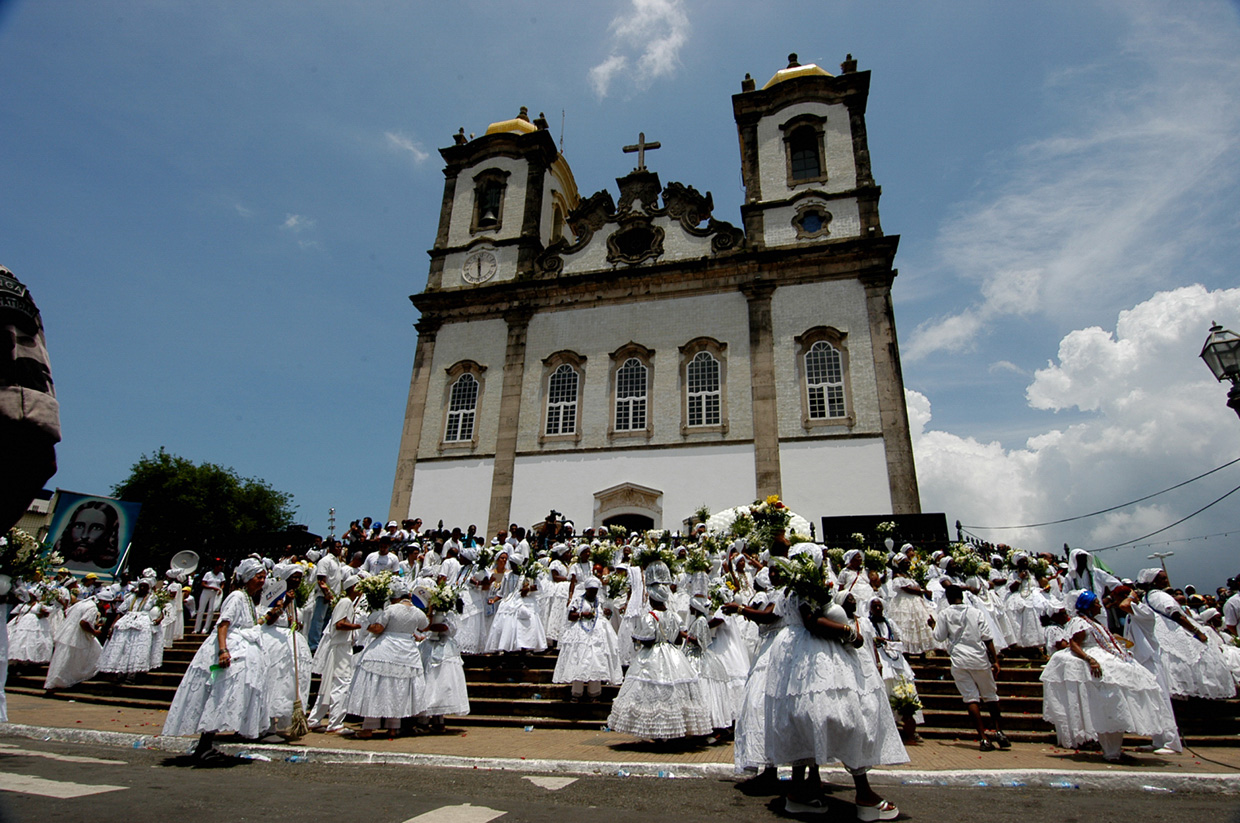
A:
1112,508
1182,540
1176,523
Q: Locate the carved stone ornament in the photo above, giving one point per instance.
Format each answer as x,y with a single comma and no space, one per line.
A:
636,240
628,496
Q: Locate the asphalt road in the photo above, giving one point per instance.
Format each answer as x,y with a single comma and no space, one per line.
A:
46,782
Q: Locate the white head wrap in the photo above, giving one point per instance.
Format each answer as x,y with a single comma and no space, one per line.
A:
850,554
700,603
762,580
349,582
284,571
1208,614
944,560
247,568
1146,576
659,592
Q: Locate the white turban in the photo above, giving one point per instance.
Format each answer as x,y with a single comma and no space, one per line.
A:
849,555
944,560
762,580
284,571
349,582
1146,576
700,603
1208,614
247,568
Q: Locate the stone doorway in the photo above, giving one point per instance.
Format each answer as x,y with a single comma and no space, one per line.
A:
635,507
639,523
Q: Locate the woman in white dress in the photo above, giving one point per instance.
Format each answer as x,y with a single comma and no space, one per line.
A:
517,625
712,674
661,698
910,611
389,681
31,638
473,626
286,682
137,641
1025,605
225,686
447,692
76,657
556,615
1094,690
895,669
825,701
765,610
589,649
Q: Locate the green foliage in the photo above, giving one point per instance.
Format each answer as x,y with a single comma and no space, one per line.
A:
188,506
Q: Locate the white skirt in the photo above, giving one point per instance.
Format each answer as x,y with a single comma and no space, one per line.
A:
516,626
910,613
73,664
388,680
136,645
587,655
230,699
824,704
749,746
1080,706
447,693
30,639
661,698
281,674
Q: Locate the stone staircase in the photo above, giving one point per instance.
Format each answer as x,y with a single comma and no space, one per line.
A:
516,690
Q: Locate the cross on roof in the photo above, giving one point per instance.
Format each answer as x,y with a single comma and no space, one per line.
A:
640,147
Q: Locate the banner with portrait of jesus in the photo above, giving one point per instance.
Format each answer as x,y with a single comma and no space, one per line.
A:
92,533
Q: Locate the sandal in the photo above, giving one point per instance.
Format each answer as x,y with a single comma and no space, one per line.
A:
885,810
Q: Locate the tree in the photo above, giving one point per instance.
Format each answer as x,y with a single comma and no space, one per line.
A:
206,508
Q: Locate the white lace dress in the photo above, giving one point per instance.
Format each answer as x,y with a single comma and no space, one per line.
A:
389,679
233,698
76,656
286,682
30,634
825,701
1025,608
446,690
472,630
712,674
660,698
1080,706
589,648
137,641
517,624
911,612
749,747
1194,669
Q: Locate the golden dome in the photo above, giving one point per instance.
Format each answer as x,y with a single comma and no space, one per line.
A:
795,69
518,125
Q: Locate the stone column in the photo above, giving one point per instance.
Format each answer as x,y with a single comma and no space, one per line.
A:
892,410
762,384
509,418
415,411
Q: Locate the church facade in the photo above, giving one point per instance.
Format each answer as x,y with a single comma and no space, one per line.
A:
630,361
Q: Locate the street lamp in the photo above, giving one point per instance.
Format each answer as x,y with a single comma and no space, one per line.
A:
1161,557
1222,354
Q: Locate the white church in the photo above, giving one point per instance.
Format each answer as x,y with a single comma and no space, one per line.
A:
631,359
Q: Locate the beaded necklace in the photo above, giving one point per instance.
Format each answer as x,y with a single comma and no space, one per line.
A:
1105,640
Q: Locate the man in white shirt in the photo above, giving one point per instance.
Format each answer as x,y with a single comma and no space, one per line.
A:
382,560
974,662
212,596
328,575
1231,607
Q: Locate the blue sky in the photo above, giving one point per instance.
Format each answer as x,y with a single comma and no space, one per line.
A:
221,209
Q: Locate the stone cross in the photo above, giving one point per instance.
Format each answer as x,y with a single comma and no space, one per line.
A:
640,147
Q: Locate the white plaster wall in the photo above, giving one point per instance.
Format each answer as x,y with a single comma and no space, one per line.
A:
664,326
824,478
773,166
718,476
677,245
841,304
514,200
459,491
778,230
483,341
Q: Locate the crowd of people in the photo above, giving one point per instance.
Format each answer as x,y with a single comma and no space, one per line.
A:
742,631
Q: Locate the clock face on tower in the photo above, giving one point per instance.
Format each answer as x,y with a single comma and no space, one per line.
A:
479,267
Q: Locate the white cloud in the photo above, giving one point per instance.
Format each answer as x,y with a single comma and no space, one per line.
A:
400,141
243,211
646,39
1155,417
297,223
1113,202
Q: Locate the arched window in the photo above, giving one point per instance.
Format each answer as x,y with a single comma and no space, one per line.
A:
824,381
462,406
822,355
703,390
803,154
804,149
562,401
631,396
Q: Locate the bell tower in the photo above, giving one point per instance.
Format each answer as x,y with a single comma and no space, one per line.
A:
805,162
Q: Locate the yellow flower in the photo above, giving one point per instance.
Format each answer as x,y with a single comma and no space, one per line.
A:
771,500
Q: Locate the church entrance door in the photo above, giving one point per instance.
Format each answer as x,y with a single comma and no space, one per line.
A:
633,522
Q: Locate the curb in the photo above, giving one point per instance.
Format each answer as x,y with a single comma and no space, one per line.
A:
1158,782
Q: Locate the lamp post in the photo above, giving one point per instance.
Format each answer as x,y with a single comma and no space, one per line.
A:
1222,354
1161,557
